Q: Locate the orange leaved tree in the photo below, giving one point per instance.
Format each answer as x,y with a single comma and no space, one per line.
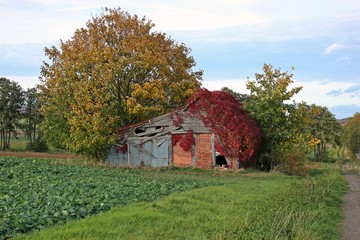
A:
115,71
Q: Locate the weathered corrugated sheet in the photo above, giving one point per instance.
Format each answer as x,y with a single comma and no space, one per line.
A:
155,153
116,157
151,153
194,124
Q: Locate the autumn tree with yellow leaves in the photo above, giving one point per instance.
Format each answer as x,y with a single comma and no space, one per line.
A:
290,129
269,93
115,71
351,135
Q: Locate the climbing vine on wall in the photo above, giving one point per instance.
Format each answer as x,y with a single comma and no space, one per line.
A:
177,120
185,141
238,135
122,148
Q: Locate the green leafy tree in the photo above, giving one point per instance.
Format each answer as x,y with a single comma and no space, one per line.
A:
31,121
351,135
239,96
31,114
267,103
11,101
115,71
319,129
325,129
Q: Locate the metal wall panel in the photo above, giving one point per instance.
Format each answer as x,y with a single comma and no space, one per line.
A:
153,153
117,157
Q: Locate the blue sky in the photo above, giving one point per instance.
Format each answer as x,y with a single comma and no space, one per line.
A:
230,40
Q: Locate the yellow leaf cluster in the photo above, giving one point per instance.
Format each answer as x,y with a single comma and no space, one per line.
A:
314,141
150,90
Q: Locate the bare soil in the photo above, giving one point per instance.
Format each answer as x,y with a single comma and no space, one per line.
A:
351,207
40,155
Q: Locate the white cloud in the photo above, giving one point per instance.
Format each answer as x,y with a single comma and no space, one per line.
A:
343,59
43,21
49,20
204,15
25,81
332,48
314,92
318,92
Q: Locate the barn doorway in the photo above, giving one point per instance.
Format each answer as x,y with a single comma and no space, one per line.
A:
220,160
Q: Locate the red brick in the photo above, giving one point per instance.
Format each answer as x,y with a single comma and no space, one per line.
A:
181,158
203,151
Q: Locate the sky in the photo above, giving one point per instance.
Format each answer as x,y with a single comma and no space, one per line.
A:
231,40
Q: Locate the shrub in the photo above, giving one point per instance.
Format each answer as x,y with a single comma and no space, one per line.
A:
38,146
324,157
30,146
291,161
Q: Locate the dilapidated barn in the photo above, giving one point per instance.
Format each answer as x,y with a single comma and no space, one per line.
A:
174,139
210,127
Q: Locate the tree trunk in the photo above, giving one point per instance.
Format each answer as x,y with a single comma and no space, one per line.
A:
1,139
34,131
8,140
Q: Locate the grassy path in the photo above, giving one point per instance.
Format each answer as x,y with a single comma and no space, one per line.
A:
351,207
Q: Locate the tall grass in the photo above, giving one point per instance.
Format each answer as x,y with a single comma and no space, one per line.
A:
257,206
352,165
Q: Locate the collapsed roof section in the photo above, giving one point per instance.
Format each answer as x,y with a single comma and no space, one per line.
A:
178,122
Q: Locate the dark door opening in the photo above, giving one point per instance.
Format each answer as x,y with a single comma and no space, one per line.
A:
220,160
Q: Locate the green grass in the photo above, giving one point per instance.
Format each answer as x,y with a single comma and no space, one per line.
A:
18,144
248,206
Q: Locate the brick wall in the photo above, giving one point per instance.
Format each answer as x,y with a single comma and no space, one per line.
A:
180,157
203,151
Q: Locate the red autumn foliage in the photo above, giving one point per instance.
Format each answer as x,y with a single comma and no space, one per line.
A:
123,148
186,141
177,120
176,138
238,135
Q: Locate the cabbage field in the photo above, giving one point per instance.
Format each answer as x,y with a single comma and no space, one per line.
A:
37,193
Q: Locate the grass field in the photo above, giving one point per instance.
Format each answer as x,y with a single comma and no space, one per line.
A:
19,143
192,204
